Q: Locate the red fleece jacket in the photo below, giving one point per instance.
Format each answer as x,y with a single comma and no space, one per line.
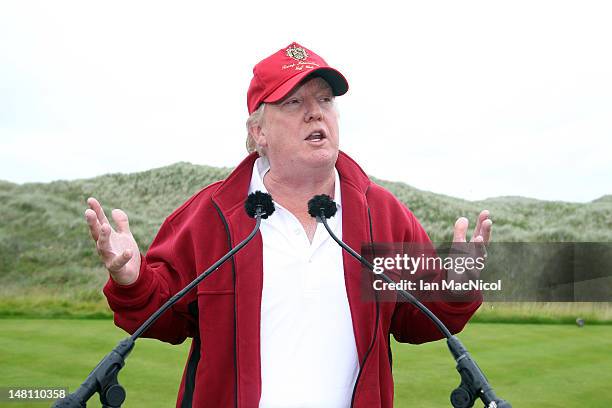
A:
223,314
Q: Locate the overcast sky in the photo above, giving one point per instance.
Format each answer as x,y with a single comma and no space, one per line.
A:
472,99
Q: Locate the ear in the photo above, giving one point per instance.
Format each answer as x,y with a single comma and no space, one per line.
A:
258,134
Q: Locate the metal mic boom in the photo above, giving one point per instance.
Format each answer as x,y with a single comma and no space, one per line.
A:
103,378
474,384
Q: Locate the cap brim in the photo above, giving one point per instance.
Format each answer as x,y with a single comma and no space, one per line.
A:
335,79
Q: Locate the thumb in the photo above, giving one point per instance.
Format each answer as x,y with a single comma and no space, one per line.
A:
119,261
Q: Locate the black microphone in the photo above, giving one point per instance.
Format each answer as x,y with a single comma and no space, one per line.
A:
474,384
103,378
259,204
322,205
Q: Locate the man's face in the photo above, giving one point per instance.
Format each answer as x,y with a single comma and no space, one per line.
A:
301,131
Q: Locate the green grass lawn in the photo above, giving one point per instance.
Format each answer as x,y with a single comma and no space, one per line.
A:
529,365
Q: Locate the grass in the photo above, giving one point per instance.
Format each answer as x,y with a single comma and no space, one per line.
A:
546,313
49,267
529,365
42,303
61,353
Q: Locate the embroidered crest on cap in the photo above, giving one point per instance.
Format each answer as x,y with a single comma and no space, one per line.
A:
297,53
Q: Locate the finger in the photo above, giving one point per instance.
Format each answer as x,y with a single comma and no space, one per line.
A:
104,248
479,248
484,214
119,261
487,228
460,230
121,220
92,222
95,205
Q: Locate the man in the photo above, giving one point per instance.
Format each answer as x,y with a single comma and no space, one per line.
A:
283,323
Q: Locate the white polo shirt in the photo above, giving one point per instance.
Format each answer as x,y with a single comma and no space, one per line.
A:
308,352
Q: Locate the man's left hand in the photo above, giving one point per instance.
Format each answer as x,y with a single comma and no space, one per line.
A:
482,231
477,244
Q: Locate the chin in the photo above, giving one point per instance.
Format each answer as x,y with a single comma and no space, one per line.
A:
324,158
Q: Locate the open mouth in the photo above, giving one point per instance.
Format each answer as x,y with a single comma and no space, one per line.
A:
316,136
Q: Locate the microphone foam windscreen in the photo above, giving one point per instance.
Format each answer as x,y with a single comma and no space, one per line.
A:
322,202
259,199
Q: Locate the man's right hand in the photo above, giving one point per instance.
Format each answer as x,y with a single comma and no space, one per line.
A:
117,248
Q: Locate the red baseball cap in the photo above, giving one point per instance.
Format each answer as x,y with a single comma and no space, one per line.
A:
275,76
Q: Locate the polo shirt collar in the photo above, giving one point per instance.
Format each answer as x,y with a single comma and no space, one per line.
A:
262,166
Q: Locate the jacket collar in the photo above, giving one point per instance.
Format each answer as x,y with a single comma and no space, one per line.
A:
233,191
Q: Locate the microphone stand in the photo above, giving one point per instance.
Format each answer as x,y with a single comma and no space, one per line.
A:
103,378
473,384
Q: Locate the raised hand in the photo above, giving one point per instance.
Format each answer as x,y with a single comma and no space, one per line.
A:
482,231
117,247
477,247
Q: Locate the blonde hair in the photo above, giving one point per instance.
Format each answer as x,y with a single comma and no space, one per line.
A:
255,119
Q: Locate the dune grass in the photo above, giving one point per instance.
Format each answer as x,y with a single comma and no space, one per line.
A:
529,365
49,267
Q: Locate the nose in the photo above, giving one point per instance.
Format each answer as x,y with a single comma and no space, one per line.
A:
312,110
